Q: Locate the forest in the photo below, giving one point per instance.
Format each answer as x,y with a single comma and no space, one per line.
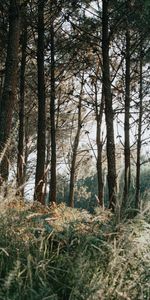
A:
74,149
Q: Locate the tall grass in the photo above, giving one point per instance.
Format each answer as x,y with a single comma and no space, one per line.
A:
60,253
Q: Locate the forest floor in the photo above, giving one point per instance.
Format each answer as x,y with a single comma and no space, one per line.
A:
60,253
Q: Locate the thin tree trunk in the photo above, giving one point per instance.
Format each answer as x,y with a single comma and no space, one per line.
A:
26,150
21,159
127,169
52,193
9,89
99,114
74,151
108,108
47,166
138,165
41,145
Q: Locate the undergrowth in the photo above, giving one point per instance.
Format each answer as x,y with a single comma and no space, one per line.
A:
60,253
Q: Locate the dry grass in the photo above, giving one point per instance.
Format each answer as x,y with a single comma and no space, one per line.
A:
60,253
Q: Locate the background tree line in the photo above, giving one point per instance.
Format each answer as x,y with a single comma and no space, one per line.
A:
74,88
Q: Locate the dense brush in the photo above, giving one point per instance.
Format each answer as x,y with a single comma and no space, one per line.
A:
60,253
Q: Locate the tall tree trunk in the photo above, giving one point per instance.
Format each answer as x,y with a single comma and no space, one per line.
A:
9,89
40,164
99,142
138,165
21,159
26,149
108,107
127,169
74,151
52,193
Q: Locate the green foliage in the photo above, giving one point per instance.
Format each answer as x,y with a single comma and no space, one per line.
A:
145,175
86,189
89,185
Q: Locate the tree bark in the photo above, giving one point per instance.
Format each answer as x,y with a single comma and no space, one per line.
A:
21,158
109,115
127,167
99,114
52,192
10,82
139,142
74,151
41,143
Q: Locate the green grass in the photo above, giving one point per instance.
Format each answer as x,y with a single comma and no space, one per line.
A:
68,254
